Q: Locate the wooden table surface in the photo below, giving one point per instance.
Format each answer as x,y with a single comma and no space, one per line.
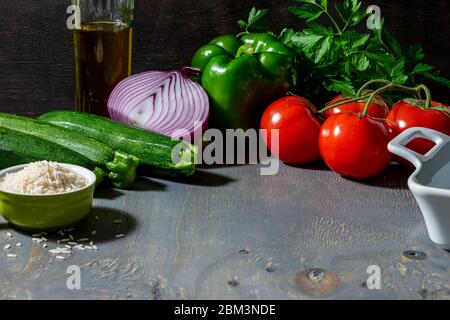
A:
227,232
230,233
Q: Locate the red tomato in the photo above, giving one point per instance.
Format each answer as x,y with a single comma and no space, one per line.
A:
355,145
411,113
377,109
298,130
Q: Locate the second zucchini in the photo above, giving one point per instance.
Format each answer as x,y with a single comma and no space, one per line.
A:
162,154
121,167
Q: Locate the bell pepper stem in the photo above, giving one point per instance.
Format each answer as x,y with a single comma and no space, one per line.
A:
242,33
245,49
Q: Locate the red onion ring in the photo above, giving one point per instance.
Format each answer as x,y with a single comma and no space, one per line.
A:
168,103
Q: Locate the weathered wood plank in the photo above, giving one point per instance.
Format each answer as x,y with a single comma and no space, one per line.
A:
186,241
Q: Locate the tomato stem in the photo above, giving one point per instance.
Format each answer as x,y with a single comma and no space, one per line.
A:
422,87
369,83
374,95
344,101
397,87
388,85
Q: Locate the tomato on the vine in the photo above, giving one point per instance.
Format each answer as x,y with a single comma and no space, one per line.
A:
298,127
354,145
413,113
377,109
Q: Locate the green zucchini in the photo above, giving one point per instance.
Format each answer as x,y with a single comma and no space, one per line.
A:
20,148
152,149
121,167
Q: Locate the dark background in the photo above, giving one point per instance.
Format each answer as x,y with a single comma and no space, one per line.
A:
36,59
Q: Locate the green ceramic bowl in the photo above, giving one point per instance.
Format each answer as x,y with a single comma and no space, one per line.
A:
47,212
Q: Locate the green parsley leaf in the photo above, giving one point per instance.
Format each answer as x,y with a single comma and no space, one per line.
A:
414,53
324,47
256,21
256,16
242,24
309,12
441,80
394,44
342,86
361,62
306,39
422,68
360,41
347,10
338,56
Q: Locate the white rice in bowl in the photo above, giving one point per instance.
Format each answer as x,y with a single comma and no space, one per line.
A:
43,178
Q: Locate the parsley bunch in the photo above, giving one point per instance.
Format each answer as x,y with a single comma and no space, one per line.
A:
339,58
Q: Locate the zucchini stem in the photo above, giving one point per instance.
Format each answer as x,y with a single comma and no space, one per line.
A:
122,170
184,157
99,174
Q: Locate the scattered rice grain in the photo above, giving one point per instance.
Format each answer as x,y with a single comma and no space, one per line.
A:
60,250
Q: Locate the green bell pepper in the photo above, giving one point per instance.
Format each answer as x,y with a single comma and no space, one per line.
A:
242,76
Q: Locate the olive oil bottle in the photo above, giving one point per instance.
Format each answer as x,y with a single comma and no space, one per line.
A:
102,59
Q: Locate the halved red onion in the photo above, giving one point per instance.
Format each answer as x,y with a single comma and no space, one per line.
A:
169,103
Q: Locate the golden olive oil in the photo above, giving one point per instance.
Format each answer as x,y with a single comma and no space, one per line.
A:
102,59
